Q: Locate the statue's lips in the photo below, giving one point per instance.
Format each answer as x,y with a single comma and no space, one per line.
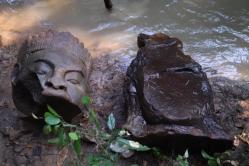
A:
56,93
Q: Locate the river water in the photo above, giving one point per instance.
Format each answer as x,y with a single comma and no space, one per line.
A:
214,32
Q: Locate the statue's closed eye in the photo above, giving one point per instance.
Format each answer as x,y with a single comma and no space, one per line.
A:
73,81
74,77
41,68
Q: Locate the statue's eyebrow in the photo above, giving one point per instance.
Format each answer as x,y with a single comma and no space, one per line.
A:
44,61
37,50
78,71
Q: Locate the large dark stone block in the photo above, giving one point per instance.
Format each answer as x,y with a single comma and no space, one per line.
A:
169,98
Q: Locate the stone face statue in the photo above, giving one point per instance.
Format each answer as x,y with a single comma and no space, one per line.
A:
169,99
52,68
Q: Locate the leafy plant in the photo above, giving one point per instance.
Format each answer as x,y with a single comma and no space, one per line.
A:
98,160
66,134
96,134
212,161
183,160
113,141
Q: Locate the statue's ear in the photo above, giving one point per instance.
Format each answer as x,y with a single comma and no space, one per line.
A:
15,72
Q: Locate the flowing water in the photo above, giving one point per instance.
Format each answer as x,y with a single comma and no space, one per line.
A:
214,32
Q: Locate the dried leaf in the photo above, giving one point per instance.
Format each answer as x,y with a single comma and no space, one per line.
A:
111,121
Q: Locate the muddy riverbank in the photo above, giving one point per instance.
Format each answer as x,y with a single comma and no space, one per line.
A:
21,143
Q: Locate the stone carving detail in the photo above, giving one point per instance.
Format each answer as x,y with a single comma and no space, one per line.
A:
52,68
169,99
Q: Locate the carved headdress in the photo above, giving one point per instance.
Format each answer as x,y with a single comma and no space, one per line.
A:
52,39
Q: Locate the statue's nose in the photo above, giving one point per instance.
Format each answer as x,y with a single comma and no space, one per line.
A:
56,83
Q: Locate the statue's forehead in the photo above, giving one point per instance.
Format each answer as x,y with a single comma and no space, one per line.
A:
57,57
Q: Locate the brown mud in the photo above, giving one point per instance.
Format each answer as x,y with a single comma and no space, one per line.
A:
22,143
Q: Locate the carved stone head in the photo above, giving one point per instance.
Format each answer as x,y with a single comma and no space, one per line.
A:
52,69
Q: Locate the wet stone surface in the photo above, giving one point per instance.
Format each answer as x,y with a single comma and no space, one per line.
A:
169,98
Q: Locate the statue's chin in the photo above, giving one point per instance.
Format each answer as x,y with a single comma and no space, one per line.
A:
63,107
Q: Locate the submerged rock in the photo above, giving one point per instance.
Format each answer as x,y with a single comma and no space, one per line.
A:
169,98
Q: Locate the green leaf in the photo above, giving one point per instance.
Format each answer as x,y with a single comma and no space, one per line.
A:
34,116
132,145
105,136
56,128
54,141
157,152
93,118
73,136
98,160
46,114
179,157
63,139
106,162
182,161
69,125
52,111
212,163
47,129
111,121
77,146
186,154
51,119
118,147
206,156
218,161
86,100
